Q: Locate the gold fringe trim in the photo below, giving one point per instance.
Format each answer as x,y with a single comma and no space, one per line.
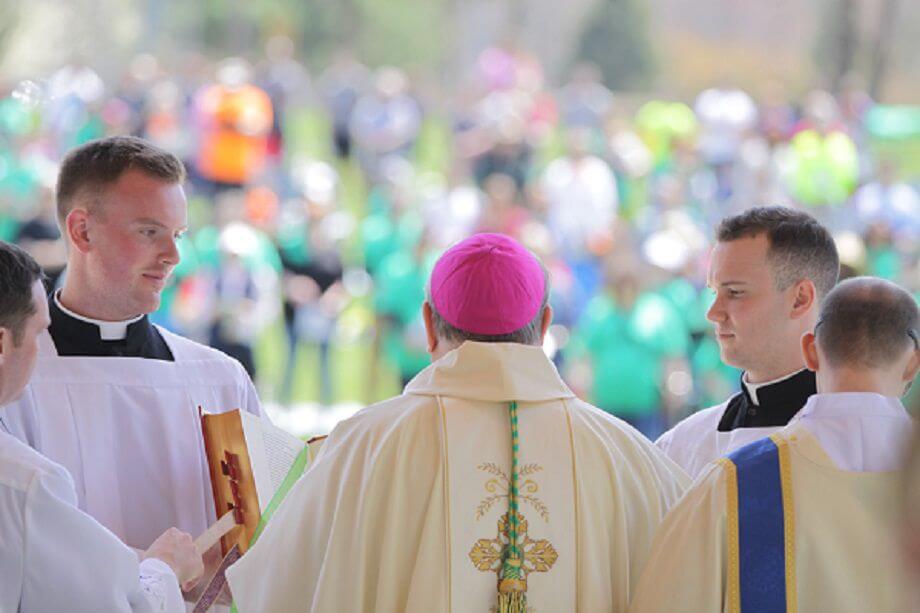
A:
515,602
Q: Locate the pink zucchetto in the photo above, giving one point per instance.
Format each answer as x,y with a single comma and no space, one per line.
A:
488,284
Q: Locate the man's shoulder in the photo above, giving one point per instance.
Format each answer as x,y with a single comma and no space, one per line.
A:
601,424
711,479
690,428
609,443
387,415
754,452
378,428
587,411
186,350
20,465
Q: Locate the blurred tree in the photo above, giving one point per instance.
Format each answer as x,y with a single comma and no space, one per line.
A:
9,17
616,38
226,27
407,33
881,52
837,41
402,32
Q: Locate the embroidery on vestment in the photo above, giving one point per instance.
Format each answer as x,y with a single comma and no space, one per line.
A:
539,555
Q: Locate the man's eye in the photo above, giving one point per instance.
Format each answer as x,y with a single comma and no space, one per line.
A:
148,232
734,293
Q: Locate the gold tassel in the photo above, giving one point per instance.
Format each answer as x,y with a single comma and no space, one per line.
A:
514,602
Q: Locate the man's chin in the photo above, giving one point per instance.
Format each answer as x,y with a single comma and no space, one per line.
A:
148,304
730,358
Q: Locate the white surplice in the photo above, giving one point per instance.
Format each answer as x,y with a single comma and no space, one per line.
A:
127,430
54,557
402,508
696,441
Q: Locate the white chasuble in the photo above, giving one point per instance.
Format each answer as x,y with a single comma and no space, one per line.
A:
403,508
127,430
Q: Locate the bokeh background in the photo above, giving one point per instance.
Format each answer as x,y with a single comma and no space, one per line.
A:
335,149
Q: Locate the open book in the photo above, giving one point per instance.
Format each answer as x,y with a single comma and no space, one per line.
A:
249,460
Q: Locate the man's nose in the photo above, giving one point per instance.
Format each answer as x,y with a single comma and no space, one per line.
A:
171,254
716,311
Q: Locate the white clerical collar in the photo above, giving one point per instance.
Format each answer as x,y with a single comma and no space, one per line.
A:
859,404
753,387
108,330
858,431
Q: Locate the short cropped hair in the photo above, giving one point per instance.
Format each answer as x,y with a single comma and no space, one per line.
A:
529,334
866,322
18,273
800,247
100,163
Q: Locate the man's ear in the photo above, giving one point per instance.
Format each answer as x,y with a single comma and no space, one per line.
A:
6,344
547,321
428,318
810,351
913,366
76,227
804,298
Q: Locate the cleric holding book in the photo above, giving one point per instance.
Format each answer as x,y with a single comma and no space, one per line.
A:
410,503
54,557
114,399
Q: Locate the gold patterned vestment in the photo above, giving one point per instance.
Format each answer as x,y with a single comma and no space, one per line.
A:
405,508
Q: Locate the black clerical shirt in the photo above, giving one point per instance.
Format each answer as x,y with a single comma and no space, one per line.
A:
777,403
73,337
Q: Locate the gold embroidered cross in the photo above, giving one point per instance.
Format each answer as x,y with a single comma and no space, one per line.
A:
539,555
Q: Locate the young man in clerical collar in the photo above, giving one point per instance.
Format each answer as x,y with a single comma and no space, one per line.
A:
806,518
59,558
122,209
114,398
769,270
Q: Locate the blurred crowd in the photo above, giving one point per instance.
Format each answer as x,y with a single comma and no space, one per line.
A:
318,203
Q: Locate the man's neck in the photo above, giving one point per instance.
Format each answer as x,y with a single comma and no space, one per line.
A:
845,380
77,304
771,375
443,348
108,330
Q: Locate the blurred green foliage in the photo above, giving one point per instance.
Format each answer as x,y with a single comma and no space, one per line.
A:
402,32
616,38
